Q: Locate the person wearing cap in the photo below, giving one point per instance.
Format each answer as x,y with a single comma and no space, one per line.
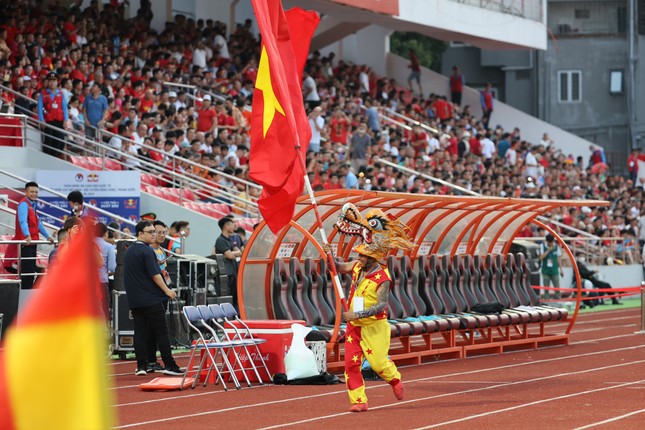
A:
150,216
52,110
551,268
206,116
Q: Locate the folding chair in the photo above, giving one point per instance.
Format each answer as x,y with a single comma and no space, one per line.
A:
210,318
230,316
194,318
218,317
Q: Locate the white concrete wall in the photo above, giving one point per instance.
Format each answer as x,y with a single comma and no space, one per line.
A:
629,275
475,22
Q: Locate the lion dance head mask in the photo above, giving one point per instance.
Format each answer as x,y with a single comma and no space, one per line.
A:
379,232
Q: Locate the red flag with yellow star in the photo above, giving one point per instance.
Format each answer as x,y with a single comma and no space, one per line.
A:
279,124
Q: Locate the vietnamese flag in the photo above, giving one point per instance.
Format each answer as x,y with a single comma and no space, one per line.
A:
279,124
53,370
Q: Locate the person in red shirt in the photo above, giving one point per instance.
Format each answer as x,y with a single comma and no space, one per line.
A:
475,146
486,99
457,82
80,72
148,101
224,119
419,141
632,163
339,127
206,116
441,109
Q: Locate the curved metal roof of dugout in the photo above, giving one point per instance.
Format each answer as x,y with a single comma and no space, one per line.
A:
443,225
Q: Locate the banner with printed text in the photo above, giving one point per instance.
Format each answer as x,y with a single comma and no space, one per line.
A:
116,192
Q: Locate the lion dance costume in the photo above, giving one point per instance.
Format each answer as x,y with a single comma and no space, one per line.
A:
369,337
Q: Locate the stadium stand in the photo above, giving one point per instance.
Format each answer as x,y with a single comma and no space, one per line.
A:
156,79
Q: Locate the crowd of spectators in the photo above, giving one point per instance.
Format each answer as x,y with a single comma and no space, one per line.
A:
117,76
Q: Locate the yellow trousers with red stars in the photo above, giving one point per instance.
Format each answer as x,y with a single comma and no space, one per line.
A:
373,343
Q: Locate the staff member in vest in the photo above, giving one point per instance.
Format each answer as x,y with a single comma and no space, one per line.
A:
52,109
147,293
29,228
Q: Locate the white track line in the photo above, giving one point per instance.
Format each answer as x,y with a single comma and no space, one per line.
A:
246,407
470,372
475,390
525,405
611,420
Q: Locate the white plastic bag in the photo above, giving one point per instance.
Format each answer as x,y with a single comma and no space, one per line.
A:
300,361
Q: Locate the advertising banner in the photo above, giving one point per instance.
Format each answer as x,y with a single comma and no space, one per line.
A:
116,192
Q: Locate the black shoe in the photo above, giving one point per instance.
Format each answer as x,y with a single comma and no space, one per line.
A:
154,367
140,372
616,302
173,370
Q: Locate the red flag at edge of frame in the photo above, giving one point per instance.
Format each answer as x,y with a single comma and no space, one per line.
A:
279,124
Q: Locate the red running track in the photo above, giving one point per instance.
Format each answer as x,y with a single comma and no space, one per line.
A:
598,381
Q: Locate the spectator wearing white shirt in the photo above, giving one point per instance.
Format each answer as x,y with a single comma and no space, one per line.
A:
531,163
433,144
310,91
116,141
488,149
222,46
364,82
199,55
511,155
317,123
139,135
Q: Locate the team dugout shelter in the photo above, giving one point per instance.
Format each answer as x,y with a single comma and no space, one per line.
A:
445,229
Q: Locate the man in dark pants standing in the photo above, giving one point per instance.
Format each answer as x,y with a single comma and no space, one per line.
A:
28,227
147,293
226,246
52,109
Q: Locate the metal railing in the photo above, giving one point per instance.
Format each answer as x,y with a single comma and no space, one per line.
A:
82,146
581,236
12,267
8,125
529,9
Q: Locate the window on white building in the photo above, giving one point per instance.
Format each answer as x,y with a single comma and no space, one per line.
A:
569,86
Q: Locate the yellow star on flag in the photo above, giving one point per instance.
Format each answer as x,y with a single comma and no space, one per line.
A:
377,277
355,358
350,339
263,83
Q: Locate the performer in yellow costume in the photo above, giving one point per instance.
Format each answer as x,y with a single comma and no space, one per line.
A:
368,331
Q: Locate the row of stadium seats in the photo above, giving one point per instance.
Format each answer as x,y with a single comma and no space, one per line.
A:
95,163
436,295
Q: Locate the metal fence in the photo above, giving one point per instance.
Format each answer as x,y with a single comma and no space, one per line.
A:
529,9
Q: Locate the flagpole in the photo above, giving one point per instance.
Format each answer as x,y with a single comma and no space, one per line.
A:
330,258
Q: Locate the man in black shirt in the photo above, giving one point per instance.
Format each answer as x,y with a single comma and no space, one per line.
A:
226,246
147,293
